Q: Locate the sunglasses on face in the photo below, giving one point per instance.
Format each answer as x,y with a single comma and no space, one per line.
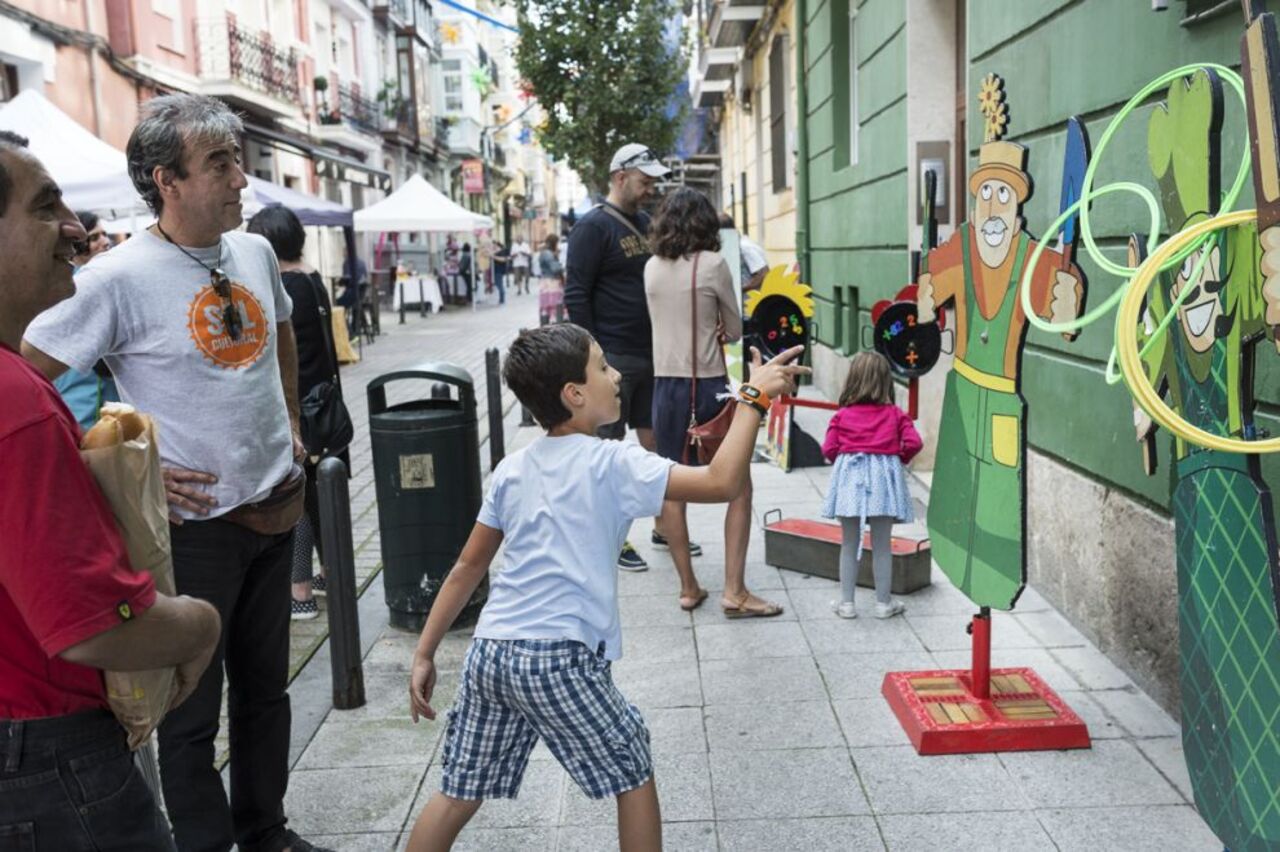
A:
230,316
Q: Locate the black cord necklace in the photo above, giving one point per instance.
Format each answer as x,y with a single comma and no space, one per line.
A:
207,268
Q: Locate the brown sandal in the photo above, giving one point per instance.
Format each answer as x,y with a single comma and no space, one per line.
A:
696,599
741,609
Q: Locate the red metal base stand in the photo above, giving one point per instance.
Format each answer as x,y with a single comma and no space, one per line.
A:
963,711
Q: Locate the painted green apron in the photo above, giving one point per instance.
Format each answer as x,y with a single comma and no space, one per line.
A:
1229,640
975,506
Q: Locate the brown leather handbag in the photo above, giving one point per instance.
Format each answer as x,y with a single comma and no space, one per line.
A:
705,438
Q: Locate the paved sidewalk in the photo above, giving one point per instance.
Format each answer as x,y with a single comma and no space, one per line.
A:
767,735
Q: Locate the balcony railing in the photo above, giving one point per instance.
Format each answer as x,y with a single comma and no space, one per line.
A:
258,64
356,109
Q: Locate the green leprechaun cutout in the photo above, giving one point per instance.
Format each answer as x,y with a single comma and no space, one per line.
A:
1228,574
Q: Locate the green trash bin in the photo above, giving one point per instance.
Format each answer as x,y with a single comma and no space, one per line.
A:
426,467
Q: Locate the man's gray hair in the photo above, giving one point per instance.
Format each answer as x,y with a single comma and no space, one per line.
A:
168,124
9,141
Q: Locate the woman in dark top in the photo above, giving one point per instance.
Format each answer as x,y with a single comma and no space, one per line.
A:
317,362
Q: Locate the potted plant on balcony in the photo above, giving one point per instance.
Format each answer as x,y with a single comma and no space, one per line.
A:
321,83
392,103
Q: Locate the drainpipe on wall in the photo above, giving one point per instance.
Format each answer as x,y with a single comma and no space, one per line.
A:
802,140
91,55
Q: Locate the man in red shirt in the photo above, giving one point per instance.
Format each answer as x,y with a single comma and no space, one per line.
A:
70,605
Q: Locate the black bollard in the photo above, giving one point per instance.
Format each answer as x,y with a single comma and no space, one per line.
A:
402,303
497,445
344,621
422,299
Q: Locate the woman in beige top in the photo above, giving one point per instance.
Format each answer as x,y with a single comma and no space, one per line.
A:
684,236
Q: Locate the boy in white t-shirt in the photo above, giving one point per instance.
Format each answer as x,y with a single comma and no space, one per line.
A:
540,662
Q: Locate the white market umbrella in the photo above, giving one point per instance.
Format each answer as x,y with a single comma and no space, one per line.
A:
92,174
419,206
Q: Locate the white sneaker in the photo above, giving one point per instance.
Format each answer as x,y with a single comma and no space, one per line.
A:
890,609
844,609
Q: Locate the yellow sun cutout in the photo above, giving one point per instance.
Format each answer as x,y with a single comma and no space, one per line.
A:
780,282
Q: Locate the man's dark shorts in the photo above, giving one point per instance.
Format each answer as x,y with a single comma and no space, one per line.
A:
637,395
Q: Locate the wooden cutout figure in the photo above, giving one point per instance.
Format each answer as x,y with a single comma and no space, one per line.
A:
976,514
1228,575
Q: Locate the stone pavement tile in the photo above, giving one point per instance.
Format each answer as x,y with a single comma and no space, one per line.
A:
375,742
684,793
523,839
860,636
934,599
1167,755
1040,660
1111,773
1100,725
387,696
1145,829
652,611
818,782
1092,668
809,604
751,639
949,633
650,684
659,644
869,722
391,654
676,837
761,681
772,725
797,580
900,781
826,834
855,675
1050,628
1031,601
1136,712
660,579
992,831
538,802
382,842
320,801
676,730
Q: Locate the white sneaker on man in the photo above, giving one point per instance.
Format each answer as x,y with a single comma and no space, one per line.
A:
890,609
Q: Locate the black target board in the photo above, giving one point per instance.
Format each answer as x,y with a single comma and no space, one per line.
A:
912,347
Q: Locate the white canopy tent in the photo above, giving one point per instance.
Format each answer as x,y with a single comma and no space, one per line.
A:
92,174
419,206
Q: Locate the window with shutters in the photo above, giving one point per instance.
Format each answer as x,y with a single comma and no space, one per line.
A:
778,113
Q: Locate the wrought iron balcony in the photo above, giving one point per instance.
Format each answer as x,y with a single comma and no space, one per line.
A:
357,110
258,64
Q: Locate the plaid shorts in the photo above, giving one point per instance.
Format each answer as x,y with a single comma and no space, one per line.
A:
515,691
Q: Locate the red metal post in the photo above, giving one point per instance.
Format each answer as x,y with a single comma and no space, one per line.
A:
981,630
913,398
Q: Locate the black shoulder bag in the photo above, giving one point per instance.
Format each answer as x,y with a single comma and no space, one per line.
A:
325,422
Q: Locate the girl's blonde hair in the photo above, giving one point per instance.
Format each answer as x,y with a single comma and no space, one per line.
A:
869,381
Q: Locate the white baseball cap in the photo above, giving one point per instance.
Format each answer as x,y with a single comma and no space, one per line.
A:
637,156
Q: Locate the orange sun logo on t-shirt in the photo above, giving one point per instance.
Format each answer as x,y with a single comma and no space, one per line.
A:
204,321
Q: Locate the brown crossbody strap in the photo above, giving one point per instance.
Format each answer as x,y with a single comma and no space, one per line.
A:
693,383
631,226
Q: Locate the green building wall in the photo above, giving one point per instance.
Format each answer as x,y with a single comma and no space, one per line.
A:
1099,534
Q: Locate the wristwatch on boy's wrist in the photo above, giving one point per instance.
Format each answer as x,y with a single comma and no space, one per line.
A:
754,397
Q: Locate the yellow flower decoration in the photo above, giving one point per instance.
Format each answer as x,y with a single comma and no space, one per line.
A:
990,94
450,33
997,121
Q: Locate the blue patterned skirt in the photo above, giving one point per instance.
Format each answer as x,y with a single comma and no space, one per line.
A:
864,485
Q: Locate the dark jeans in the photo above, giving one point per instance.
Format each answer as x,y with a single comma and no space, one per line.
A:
246,577
68,783
500,281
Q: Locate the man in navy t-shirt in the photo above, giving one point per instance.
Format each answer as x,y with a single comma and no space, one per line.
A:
604,293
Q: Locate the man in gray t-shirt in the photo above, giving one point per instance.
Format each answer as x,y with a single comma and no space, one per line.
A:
193,320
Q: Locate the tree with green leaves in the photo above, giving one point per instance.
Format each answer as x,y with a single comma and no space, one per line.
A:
605,74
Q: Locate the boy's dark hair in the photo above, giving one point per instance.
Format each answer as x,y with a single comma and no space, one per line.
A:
541,362
282,229
8,141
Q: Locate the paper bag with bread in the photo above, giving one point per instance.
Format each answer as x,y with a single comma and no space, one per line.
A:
121,452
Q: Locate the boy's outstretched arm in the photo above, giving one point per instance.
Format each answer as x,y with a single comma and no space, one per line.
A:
465,576
724,478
